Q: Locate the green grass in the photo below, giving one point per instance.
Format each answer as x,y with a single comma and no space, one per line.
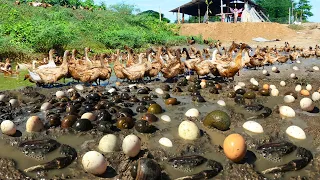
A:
9,83
26,30
296,27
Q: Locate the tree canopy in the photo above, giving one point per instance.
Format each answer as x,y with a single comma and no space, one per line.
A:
278,11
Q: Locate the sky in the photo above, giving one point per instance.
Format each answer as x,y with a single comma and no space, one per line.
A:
166,5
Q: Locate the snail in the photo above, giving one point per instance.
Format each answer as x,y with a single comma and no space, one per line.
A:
146,169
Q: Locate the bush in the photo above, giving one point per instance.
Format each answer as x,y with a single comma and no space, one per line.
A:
36,29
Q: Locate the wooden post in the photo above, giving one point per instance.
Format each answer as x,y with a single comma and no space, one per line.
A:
199,13
289,14
301,16
179,15
182,21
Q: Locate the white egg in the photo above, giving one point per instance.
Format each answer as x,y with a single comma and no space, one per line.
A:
282,83
253,126
265,72
316,68
159,91
288,99
34,124
94,162
237,87
109,143
298,61
14,103
60,94
2,97
272,86
131,145
241,84
188,130
90,116
274,69
46,106
79,87
70,90
111,90
254,82
306,104
309,87
165,118
132,85
8,127
298,88
221,103
193,112
274,92
295,68
315,96
287,112
293,75
203,84
188,77
296,132
165,142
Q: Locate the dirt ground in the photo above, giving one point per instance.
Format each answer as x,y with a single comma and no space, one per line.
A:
309,35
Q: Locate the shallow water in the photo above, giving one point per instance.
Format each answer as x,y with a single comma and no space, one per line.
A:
169,130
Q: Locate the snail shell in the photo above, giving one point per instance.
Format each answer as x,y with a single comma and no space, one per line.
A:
125,123
146,169
144,127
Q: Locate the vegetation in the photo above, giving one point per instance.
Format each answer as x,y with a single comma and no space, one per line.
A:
278,11
25,30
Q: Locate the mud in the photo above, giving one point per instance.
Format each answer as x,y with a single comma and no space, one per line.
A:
13,161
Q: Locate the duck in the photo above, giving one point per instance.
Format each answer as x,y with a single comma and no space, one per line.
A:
174,68
51,75
155,64
317,51
118,67
232,68
136,71
191,41
190,61
282,58
51,63
26,66
203,67
294,55
105,71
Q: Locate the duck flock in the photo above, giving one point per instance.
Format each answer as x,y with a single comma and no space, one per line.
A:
169,62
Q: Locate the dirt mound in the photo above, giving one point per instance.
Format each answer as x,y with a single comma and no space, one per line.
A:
243,32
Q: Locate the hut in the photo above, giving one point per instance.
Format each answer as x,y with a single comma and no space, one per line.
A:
217,7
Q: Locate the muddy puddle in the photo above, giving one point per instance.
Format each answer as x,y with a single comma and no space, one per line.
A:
207,146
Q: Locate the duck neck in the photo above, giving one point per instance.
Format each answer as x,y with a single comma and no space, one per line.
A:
51,56
187,54
214,55
140,58
86,54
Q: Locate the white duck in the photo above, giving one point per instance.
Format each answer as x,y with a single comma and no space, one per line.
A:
51,63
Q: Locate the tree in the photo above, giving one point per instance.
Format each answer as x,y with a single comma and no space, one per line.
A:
155,15
304,7
278,11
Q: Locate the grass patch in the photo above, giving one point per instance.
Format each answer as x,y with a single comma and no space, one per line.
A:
9,83
296,27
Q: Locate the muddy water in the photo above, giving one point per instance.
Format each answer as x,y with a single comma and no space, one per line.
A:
24,162
170,130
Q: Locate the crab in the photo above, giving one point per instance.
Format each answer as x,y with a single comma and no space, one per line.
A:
194,161
283,148
39,148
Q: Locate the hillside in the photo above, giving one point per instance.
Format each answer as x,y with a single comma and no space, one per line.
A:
26,30
240,32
